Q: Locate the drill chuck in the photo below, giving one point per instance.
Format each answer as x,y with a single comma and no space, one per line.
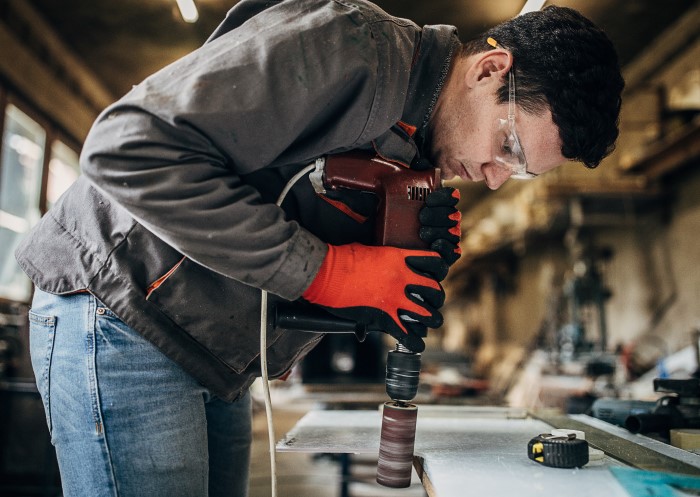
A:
402,374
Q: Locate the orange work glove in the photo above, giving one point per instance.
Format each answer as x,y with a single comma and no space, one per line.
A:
396,290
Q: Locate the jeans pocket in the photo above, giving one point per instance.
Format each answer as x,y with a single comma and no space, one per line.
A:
42,332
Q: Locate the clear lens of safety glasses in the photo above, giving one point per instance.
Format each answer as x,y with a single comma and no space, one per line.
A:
507,151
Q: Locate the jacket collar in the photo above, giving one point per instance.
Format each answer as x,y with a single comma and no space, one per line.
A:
404,142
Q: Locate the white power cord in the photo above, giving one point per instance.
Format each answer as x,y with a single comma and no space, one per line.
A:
263,349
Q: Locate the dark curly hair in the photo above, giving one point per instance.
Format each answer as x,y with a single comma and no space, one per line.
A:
562,60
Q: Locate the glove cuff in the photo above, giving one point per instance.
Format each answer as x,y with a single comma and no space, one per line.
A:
326,283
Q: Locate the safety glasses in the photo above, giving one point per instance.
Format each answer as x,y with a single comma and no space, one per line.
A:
507,151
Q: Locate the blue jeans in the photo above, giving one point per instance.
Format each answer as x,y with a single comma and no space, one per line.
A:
125,419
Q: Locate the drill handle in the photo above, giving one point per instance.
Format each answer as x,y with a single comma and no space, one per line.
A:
308,318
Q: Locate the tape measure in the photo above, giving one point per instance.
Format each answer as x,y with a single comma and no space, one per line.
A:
558,451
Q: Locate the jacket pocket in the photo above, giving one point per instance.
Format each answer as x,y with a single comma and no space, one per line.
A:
220,313
42,331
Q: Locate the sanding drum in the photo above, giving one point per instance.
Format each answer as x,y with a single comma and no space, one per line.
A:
396,444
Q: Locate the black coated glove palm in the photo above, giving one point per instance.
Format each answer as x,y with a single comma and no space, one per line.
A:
440,223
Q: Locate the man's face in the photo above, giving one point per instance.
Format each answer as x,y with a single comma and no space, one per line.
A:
464,128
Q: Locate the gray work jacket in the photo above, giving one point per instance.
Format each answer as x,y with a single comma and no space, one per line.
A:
173,224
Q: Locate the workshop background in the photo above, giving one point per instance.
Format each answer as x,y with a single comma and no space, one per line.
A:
578,286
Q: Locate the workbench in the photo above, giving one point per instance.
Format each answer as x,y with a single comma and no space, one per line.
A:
468,450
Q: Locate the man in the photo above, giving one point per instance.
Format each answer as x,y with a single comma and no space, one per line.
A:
144,325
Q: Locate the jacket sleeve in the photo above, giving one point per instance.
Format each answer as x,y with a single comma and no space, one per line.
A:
294,82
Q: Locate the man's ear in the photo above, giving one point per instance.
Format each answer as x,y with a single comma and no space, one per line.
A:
489,67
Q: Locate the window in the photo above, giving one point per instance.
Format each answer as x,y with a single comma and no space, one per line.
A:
21,165
64,169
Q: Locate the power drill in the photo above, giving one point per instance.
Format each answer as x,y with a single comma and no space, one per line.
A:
401,193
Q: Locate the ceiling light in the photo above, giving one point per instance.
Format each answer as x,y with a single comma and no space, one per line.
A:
532,6
188,10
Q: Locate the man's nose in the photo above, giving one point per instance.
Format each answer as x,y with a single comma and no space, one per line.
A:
495,175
